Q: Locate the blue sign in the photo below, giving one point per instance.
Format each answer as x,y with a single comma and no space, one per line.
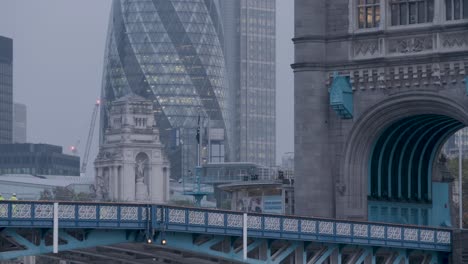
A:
273,204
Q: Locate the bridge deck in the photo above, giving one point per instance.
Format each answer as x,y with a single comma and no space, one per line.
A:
152,217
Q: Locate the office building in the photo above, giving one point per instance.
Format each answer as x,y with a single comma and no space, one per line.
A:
37,159
170,52
6,90
249,48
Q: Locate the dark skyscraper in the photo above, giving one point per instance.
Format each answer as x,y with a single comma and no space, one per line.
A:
6,90
171,53
249,47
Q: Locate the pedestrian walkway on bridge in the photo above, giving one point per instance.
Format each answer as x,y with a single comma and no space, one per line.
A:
27,229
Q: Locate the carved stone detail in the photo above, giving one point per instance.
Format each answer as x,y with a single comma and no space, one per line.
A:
366,48
410,45
455,40
423,76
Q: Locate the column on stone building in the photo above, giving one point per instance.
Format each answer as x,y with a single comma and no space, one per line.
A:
156,183
167,177
128,182
116,183
120,183
98,182
113,183
314,182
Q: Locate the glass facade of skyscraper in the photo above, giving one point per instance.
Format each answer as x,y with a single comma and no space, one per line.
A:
170,51
6,90
250,38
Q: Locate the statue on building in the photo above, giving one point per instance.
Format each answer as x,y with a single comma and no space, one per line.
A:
102,185
140,170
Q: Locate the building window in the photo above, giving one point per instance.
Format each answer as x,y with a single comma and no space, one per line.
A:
456,9
368,13
406,12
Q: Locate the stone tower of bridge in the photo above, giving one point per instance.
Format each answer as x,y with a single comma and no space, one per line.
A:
130,165
379,86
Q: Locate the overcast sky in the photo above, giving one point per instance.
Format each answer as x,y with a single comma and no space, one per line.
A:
58,56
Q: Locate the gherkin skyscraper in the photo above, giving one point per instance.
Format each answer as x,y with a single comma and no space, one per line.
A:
170,51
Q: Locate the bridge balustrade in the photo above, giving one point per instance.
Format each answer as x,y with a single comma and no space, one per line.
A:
163,218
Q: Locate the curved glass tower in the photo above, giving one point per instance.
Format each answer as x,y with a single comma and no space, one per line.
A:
170,52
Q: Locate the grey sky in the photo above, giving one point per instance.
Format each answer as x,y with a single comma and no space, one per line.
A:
58,55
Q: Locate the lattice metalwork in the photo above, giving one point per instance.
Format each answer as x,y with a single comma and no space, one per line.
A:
427,236
394,233
86,211
159,214
196,218
21,210
215,219
176,216
360,230
108,212
66,211
234,220
3,210
325,228
272,223
145,211
44,211
410,234
281,226
443,237
377,231
290,225
254,222
343,229
128,213
308,226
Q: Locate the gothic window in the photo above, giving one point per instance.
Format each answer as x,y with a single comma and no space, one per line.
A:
368,13
456,9
405,12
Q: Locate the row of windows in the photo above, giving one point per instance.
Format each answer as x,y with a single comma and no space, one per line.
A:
40,161
414,12
406,12
40,171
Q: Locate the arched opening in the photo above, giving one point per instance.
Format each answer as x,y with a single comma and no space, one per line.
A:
388,172
141,176
402,187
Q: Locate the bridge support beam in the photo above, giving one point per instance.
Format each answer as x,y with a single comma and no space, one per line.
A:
323,254
402,258
93,239
300,254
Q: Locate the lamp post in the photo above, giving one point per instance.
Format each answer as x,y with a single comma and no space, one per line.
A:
460,185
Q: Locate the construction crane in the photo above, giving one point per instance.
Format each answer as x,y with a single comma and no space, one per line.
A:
84,164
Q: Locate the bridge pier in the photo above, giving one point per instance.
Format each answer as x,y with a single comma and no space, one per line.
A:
460,246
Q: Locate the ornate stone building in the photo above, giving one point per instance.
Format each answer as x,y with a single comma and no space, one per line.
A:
404,92
130,165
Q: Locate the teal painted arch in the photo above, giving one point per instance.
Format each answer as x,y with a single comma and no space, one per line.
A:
401,160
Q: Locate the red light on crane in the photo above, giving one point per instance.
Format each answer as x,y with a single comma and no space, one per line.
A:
98,101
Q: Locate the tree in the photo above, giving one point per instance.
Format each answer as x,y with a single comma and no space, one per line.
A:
65,194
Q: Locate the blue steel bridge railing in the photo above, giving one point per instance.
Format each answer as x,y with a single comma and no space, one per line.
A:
39,214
